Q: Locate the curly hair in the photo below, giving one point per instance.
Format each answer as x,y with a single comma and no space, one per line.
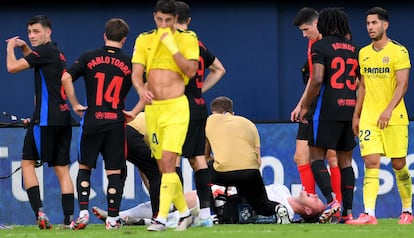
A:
333,21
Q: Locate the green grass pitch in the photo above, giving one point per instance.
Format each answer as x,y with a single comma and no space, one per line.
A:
384,228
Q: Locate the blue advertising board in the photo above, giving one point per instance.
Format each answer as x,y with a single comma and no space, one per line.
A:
277,148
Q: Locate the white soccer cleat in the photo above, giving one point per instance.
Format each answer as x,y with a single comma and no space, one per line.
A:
282,214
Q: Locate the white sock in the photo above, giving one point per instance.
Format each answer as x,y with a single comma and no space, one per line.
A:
370,212
407,209
112,220
204,213
83,213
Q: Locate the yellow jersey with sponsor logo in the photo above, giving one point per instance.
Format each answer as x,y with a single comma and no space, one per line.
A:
379,71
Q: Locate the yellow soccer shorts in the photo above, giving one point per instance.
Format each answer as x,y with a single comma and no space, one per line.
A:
391,142
167,124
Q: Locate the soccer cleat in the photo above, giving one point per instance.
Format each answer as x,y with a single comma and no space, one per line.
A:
208,222
172,219
335,218
282,214
184,223
99,213
363,219
405,218
330,210
43,221
215,219
156,226
80,223
113,225
346,218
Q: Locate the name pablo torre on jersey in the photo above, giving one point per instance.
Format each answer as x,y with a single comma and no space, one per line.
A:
109,60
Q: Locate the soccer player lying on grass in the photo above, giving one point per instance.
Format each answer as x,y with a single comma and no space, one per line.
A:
308,206
142,213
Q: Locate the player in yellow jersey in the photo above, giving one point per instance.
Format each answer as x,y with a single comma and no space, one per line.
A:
380,118
169,57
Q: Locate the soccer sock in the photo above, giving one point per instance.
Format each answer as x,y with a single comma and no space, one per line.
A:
347,186
124,173
68,207
180,174
83,186
179,201
33,194
113,194
170,183
154,191
336,182
306,178
322,178
370,190
202,182
404,185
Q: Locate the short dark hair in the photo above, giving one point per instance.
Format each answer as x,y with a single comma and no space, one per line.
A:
166,6
311,218
305,15
116,29
381,12
221,104
42,20
183,12
333,21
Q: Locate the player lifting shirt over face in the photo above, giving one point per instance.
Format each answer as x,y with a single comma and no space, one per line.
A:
169,57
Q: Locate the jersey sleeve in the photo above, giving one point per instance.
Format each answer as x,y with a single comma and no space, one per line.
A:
317,53
39,56
139,55
403,59
76,69
189,46
207,55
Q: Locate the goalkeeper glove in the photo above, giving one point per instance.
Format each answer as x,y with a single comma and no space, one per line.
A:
167,39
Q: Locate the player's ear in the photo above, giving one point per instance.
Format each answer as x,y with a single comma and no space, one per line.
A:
386,24
308,211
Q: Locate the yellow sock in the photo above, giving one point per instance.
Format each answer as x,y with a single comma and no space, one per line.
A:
169,186
179,200
371,188
403,178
